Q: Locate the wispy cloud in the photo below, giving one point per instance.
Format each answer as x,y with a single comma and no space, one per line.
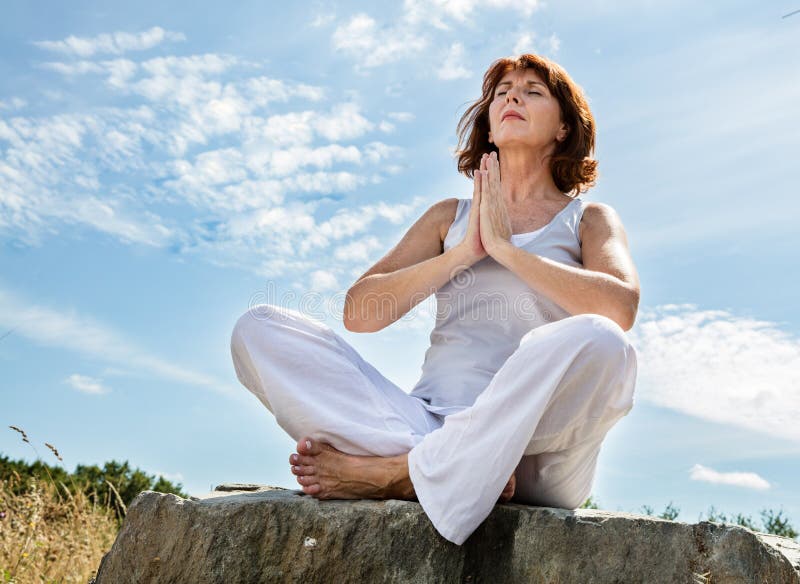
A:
442,13
372,45
747,480
114,43
86,384
718,366
528,42
420,29
201,162
453,64
170,476
84,335
13,103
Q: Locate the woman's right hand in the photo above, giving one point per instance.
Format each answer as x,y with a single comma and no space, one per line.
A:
472,240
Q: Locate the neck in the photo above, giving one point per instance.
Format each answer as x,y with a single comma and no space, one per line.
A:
525,175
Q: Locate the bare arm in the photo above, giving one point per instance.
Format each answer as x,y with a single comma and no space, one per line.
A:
607,283
410,272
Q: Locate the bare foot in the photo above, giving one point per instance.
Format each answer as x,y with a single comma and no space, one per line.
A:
508,491
327,473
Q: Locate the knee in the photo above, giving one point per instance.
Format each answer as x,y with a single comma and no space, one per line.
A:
255,320
276,325
606,337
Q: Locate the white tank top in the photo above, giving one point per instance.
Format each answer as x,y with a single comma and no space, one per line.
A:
484,311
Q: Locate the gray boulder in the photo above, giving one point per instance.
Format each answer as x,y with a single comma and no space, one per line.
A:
252,533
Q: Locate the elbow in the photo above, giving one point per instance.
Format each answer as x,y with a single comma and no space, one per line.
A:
631,309
351,323
352,319
355,326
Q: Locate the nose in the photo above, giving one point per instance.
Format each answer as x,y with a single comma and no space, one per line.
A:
511,91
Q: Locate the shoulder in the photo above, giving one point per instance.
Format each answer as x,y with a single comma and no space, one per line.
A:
443,213
599,219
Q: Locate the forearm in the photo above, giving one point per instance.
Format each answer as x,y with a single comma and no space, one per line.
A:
378,300
576,289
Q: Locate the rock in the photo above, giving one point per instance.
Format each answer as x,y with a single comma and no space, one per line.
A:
253,533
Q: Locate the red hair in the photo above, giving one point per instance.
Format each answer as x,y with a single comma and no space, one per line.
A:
571,164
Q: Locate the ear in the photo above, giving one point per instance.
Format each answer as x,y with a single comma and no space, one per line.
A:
563,131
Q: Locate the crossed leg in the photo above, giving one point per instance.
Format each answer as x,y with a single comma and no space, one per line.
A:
360,425
540,421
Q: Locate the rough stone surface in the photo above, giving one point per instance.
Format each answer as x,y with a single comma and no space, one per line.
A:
252,533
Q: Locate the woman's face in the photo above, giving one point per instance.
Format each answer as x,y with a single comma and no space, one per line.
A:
526,93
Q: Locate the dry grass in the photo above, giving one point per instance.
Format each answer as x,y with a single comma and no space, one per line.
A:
49,533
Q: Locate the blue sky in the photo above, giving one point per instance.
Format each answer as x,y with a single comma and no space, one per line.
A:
161,168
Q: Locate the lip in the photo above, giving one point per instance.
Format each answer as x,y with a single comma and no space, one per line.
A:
511,114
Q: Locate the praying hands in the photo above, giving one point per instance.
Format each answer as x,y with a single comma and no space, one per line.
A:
494,225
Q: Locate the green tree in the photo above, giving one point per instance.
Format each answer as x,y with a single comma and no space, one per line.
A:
91,480
773,523
589,503
670,512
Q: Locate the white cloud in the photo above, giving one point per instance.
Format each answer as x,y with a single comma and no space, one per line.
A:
322,18
553,44
290,160
345,122
372,45
264,90
524,44
438,12
747,480
401,116
174,477
199,162
358,251
453,67
528,43
65,329
86,384
14,103
115,43
322,280
376,152
715,365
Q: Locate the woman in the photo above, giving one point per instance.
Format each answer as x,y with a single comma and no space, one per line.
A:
510,406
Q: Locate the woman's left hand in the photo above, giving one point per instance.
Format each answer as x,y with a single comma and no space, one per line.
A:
494,223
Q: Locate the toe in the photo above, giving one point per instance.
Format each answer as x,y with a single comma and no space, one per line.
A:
308,446
312,489
294,458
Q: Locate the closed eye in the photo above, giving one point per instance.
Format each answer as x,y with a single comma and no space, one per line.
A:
536,92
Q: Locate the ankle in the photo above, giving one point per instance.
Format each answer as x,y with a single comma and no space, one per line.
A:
400,485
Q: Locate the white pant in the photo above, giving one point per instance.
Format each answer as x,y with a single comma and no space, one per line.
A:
545,413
